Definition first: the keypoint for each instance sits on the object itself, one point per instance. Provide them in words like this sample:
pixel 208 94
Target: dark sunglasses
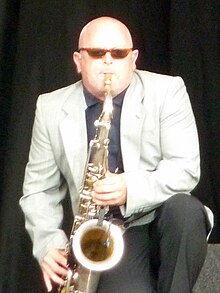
pixel 97 53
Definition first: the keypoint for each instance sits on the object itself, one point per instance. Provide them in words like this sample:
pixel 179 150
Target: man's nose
pixel 107 58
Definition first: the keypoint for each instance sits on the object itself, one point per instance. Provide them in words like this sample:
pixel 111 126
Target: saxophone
pixel 95 243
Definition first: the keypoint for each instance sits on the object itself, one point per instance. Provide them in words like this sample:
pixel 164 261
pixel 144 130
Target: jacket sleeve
pixel 43 190
pixel 174 153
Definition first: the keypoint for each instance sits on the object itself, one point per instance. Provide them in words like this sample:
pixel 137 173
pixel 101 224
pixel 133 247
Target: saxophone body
pixel 95 244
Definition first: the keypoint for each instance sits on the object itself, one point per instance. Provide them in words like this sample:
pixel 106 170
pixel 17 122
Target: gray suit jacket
pixel 159 145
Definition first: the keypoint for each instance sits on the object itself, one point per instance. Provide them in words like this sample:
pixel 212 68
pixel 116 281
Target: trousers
pixel 165 256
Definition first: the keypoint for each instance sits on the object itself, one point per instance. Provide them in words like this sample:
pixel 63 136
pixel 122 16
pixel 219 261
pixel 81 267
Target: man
pixel 153 139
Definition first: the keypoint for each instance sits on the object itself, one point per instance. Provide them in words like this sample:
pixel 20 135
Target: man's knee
pixel 184 204
pixel 182 210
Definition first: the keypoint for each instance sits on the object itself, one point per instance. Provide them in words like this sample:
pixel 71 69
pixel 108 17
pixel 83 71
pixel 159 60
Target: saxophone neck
pixel 108 104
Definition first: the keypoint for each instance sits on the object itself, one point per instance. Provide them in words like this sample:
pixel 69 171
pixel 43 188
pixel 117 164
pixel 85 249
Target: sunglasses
pixel 98 53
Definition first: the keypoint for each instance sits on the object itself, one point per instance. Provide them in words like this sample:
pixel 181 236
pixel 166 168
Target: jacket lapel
pixel 132 118
pixel 73 132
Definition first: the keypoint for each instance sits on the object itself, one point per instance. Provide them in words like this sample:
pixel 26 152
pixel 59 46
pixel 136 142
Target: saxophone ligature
pixel 95 243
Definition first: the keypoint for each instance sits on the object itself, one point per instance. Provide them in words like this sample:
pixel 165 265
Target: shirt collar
pixel 92 100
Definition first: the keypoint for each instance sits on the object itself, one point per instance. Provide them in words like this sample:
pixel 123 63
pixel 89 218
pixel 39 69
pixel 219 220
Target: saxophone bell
pixel 98 248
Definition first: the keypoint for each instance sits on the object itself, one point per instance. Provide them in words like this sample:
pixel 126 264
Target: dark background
pixel 37 39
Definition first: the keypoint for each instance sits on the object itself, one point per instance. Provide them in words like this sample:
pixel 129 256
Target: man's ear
pixel 135 54
pixel 77 61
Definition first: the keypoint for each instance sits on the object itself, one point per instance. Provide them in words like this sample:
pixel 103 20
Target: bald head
pixel 105 32
pixel 105 35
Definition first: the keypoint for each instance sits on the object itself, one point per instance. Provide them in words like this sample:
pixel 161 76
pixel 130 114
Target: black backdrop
pixel 36 43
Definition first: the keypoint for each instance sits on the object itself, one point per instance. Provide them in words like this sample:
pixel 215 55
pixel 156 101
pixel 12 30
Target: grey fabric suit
pixel 159 146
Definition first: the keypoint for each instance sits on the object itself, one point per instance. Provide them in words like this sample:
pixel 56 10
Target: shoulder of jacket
pixel 59 96
pixel 156 82
pixel 148 75
pixel 63 91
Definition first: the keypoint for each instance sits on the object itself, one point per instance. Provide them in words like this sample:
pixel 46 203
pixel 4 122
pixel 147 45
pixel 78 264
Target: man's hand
pixel 54 267
pixel 111 190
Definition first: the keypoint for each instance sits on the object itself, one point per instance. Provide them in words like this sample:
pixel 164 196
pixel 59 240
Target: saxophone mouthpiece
pixel 108 78
pixel 108 83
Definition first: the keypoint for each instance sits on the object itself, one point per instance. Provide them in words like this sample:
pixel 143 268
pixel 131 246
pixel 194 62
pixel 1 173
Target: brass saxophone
pixel 95 244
